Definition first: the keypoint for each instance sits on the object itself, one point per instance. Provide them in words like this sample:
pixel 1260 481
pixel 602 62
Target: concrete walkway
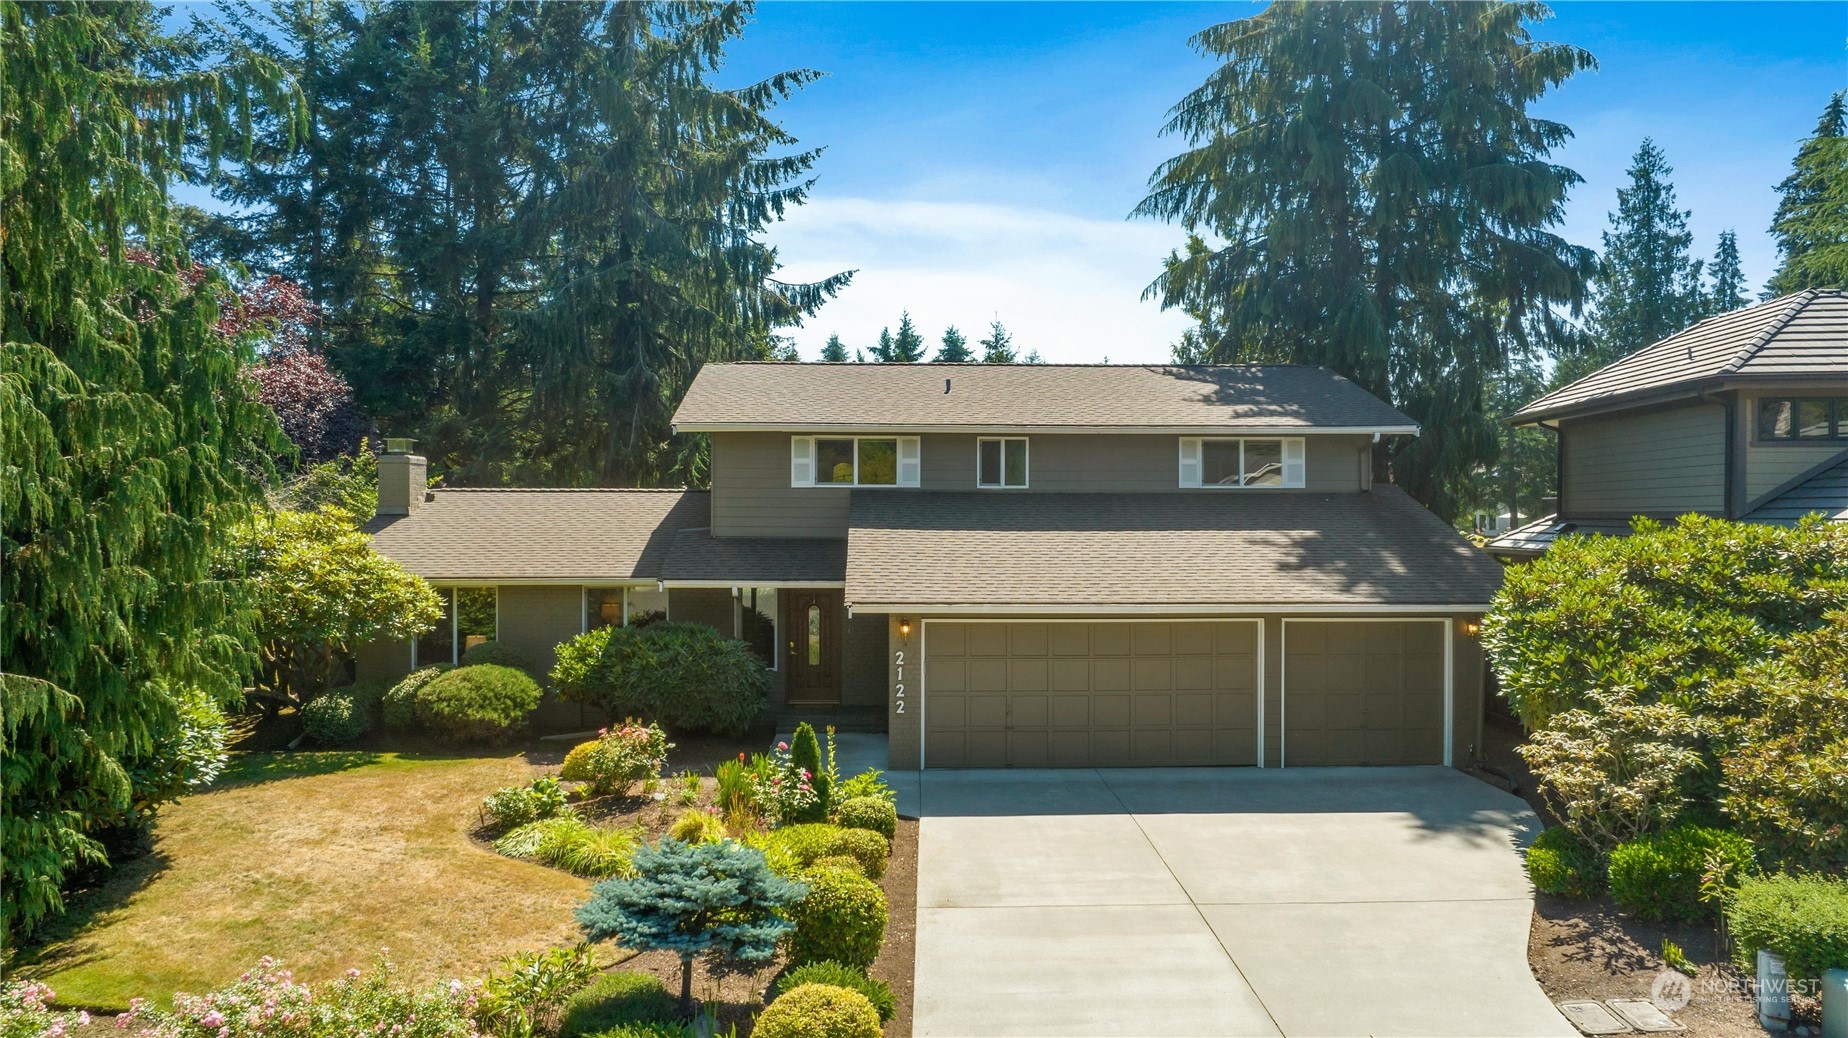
pixel 1313 901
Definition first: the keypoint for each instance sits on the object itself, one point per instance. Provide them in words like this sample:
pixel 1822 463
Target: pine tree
pixel 835 352
pixel 882 350
pixel 693 898
pixel 1811 223
pixel 1728 277
pixel 1379 217
pixel 125 424
pixel 907 347
pixel 1032 357
pixel 1648 285
pixel 596 240
pixel 954 348
pixel 998 348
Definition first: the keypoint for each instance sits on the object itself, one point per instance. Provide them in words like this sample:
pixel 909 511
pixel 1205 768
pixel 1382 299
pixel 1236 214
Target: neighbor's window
pixel 854 461
pixel 1803 418
pixel 1242 462
pixel 602 607
pixel 1001 462
pixel 757 622
pixel 470 617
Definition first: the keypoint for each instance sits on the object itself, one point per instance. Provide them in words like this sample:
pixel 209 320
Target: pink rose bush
pixel 619 757
pixel 784 791
pixel 25 1012
pixel 267 1002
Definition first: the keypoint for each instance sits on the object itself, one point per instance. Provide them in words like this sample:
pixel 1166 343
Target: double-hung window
pixel 1242 462
pixel 1802 418
pixel 1001 461
pixel 854 461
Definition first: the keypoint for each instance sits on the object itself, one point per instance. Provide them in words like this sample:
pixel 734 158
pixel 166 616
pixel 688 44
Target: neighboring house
pixel 1011 565
pixel 1742 416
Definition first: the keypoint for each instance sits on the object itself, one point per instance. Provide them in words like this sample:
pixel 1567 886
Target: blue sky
pixel 982 158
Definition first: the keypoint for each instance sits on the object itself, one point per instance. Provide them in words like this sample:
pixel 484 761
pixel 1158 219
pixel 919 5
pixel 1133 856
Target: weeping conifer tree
pixel 1386 208
pixel 126 429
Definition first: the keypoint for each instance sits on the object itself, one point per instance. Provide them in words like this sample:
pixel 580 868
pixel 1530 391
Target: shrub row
pixel 1679 873
pixel 682 675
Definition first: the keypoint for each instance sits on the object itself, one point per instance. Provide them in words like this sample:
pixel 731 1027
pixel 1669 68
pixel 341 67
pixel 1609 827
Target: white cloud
pixel 1069 286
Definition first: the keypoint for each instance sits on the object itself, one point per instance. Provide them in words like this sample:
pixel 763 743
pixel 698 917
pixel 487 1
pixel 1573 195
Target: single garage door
pixel 1363 692
pixel 1076 695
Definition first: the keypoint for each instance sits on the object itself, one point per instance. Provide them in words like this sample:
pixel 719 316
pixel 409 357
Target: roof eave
pixel 1018 430
pixel 1164 609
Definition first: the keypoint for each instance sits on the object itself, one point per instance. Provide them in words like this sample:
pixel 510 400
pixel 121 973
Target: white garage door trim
pixel 924 675
pixel 1283 676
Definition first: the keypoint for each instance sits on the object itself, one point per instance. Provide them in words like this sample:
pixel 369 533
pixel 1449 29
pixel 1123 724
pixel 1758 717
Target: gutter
pixel 845 428
pixel 943 609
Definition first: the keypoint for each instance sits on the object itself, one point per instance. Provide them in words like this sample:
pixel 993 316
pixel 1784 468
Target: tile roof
pixel 1185 551
pixel 1825 492
pixel 540 535
pixel 1040 396
pixel 1805 333
pixel 698 556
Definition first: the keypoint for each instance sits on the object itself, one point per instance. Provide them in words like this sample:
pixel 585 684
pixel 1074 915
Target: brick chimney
pixel 403 477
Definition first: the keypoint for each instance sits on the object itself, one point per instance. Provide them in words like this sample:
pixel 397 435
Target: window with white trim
pixel 1245 462
pixel 854 461
pixel 1001 461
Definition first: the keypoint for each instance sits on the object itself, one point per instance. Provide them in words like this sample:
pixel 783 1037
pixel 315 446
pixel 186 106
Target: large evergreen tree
pixel 128 433
pixel 835 352
pixel 1648 282
pixel 905 347
pixel 1728 277
pixel 1811 223
pixel 954 348
pixel 530 224
pixel 1386 207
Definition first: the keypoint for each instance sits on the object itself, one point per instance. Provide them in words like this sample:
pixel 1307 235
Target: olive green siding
pixel 711 606
pixel 535 619
pixel 384 660
pixel 751 495
pixel 1658 463
pixel 863 664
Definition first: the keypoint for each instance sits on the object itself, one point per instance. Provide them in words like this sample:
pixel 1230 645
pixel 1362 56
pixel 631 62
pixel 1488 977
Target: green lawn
pixel 322 860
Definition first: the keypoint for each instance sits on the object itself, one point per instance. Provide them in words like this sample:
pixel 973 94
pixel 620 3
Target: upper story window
pixel 1001 461
pixel 854 461
pixel 1246 462
pixel 1803 418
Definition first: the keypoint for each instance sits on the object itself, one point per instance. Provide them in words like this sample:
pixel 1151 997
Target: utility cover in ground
pixel 1592 1018
pixel 1643 1015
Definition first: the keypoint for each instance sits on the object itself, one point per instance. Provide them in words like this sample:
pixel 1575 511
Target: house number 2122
pixel 898 690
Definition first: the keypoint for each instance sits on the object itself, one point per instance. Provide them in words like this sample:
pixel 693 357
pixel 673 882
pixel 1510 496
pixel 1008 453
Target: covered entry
pixel 1034 694
pixel 1365 691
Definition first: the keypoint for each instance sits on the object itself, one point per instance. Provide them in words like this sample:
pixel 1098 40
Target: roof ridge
pixel 983 365
pixel 567 490
pixel 1798 301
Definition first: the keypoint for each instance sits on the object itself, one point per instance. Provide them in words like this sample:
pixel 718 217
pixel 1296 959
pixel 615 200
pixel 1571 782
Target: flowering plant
pixel 24 1012
pixel 784 790
pixel 620 757
pixel 267 1002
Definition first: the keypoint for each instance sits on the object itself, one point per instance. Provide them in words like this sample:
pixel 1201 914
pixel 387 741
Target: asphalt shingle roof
pixel 1536 537
pixel 540 535
pixel 904 397
pixel 698 556
pixel 1172 550
pixel 1805 333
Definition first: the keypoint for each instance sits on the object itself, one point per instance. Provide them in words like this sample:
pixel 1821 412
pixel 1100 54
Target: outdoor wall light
pixel 1472 628
pixel 904 628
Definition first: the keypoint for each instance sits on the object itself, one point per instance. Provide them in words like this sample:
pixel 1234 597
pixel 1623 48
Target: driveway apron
pixel 1223 902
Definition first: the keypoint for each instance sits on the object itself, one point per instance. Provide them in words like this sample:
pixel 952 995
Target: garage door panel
pixel 1111 694
pixel 1368 692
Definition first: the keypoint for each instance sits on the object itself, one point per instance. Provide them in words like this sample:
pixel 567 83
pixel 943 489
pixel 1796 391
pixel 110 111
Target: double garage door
pixel 1148 694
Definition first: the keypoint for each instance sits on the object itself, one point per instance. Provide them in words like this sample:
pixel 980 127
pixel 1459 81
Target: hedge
pixel 683 676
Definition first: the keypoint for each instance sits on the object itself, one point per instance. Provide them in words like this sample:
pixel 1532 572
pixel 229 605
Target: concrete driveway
pixel 1313 901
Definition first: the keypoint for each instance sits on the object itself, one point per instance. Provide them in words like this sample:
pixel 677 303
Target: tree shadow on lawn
pixel 55 947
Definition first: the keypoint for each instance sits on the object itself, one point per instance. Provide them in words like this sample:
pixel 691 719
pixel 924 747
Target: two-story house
pixel 1742 416
pixel 1011 565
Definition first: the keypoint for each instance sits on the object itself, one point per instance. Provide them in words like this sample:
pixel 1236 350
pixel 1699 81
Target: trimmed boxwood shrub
pixel 878 992
pixel 862 845
pixel 614 999
pixel 501 656
pixel 839 861
pixel 1658 876
pixel 1804 919
pixel 794 847
pixel 682 675
pixel 483 703
pixel 398 709
pixel 842 918
pixel 1561 863
pixel 819 1011
pixel 333 718
pixel 875 813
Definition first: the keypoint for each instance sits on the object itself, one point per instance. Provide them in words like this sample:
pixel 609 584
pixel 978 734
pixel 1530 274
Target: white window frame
pixel 455 623
pixel 776 622
pixel 1193 462
pixel 802 462
pixel 1027 465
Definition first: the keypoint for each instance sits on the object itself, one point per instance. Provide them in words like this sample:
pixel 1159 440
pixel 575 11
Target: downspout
pixel 1559 470
pixel 1730 404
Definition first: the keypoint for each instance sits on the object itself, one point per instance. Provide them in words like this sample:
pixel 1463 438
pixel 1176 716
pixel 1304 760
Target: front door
pixel 814 648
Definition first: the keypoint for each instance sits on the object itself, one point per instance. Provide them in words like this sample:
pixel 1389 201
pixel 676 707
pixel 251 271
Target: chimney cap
pixel 399 445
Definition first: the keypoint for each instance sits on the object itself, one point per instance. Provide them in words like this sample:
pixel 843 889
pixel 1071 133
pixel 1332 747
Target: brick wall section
pixel 903 729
